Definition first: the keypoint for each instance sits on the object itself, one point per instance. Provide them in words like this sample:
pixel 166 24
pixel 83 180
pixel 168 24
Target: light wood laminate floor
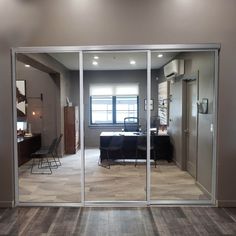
pixel 164 221
pixel 120 182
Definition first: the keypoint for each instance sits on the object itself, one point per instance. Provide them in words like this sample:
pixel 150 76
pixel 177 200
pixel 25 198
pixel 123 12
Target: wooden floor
pixel 166 221
pixel 120 182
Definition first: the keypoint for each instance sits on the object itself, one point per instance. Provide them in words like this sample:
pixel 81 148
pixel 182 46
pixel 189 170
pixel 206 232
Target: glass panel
pixel 180 130
pixel 48 127
pixel 114 89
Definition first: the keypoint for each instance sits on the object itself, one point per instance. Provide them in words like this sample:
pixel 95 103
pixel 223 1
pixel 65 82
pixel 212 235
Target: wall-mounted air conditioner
pixel 174 69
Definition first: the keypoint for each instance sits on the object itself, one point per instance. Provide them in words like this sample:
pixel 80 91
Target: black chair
pixel 44 156
pixel 141 148
pixel 56 150
pixel 115 147
pixel 131 124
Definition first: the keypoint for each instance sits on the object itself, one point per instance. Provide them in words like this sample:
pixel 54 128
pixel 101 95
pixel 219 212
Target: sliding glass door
pixel 115 126
pixel 182 119
pixel 47 128
pixel 115 93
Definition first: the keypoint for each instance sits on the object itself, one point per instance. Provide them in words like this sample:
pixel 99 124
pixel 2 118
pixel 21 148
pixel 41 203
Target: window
pixel 126 107
pixel 110 104
pixel 163 103
pixel 101 107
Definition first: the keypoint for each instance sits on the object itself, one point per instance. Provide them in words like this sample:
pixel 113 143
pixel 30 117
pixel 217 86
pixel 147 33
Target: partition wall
pixel 108 84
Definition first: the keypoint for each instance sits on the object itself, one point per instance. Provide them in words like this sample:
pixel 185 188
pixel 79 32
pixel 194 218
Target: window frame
pixel 114 111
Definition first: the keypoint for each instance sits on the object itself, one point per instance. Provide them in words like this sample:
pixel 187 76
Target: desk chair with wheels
pixel 131 124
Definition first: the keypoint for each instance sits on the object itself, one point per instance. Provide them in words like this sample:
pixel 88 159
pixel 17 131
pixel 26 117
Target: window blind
pixel 114 89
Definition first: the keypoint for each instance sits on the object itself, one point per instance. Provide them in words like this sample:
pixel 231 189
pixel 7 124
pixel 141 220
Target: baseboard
pixel 226 203
pixel 203 189
pixel 176 163
pixel 6 204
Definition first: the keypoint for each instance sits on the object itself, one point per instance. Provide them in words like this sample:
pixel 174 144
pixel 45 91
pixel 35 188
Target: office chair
pixel 115 146
pixel 131 124
pixel 141 148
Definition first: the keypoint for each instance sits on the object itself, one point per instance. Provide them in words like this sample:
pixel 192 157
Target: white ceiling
pixel 113 60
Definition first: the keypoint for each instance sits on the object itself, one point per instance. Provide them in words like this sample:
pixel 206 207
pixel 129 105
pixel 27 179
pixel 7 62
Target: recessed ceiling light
pixel 95 63
pixel 27 65
pixel 132 62
pixel 160 55
pixel 96 57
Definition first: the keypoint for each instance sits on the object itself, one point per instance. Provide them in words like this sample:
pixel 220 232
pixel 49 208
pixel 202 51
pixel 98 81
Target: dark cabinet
pixel 27 146
pixel 71 129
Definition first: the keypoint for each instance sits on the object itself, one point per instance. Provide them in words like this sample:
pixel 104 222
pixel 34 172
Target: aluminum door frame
pixel 139 48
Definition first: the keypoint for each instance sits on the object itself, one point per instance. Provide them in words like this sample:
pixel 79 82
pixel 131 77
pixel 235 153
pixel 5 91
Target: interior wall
pixel 38 82
pixel 74 88
pixel 123 23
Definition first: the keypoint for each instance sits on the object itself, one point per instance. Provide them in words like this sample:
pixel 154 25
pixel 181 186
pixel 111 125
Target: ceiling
pixel 113 60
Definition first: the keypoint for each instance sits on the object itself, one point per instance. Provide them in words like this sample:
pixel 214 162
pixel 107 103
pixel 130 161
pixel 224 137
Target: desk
pixel 27 146
pixel 162 145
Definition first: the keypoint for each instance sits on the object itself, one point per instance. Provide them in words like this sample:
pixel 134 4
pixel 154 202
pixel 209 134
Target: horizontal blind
pixel 114 89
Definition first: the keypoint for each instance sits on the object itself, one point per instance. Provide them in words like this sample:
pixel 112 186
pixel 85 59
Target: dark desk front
pixel 27 146
pixel 162 145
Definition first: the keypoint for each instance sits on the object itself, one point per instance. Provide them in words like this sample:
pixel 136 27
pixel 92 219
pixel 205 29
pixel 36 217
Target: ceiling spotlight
pixel 132 62
pixel 160 55
pixel 26 65
pixel 96 57
pixel 95 63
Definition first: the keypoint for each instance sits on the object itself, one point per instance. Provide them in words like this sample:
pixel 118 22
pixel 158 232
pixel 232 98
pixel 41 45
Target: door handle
pixel 186 131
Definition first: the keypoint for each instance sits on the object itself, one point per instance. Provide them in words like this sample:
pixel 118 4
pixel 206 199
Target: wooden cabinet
pixel 27 146
pixel 71 129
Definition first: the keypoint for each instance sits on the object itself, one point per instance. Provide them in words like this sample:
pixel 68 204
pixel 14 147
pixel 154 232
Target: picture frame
pixel 203 106
pixel 21 100
pixel 151 104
